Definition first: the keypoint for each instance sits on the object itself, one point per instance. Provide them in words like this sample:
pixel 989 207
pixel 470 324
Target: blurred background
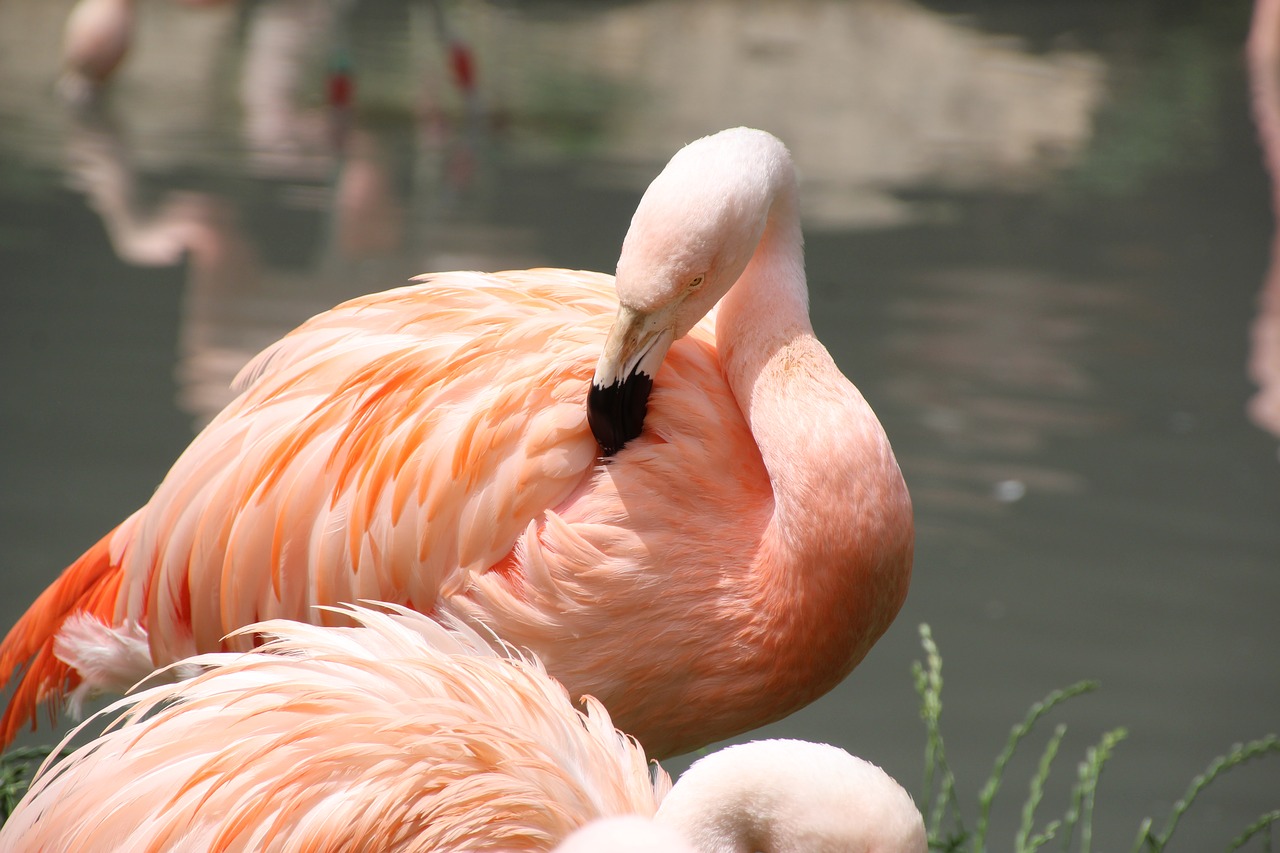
pixel 1039 239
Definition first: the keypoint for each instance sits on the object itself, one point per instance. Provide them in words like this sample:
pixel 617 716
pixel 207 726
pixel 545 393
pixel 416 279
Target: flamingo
pixel 403 735
pixel 95 40
pixel 1262 49
pixel 721 544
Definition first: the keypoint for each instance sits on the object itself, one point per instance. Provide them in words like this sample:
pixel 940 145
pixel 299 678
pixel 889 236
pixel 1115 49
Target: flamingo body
pixel 402 735
pixel 429 446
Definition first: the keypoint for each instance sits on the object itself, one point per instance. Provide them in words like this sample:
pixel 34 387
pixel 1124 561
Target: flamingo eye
pixel 696 283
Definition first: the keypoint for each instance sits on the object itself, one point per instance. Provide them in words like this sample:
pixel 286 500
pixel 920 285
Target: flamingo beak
pixel 619 394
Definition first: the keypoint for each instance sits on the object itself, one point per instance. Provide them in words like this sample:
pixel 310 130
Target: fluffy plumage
pixel 401 735
pixel 398 735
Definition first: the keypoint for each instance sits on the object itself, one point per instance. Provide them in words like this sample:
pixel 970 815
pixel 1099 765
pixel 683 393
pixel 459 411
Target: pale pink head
pixel 791 796
pixel 692 235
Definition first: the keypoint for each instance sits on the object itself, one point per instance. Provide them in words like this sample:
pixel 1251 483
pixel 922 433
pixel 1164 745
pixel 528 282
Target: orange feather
pixel 91 585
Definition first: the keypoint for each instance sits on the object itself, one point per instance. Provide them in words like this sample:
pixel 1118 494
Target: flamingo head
pixel 790 795
pixel 692 236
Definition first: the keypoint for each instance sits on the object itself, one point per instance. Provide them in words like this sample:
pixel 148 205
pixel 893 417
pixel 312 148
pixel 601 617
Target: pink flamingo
pixel 95 40
pixel 402 735
pixel 429 446
pixel 1263 54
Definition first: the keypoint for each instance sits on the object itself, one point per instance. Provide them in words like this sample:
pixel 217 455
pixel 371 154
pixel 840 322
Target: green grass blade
pixel 939 782
pixel 1090 772
pixel 1253 829
pixel 16 769
pixel 1023 840
pixel 1082 795
pixel 1239 754
pixel 992 787
pixel 1045 837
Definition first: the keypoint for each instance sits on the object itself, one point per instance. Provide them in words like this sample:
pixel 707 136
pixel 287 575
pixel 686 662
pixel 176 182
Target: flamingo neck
pixel 841 533
pixel 768 307
pixel 779 372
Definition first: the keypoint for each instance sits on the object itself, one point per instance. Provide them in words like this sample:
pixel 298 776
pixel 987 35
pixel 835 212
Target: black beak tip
pixel 616 412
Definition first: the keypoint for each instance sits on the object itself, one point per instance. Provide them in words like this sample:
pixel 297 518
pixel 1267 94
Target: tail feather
pixel 91 585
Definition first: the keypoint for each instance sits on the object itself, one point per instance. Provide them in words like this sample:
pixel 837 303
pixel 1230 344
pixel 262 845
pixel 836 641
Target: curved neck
pixel 763 331
pixel 805 415
pixel 768 306
pixel 841 526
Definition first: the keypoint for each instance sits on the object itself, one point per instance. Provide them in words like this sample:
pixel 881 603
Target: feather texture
pixel 406 736
pixel 397 735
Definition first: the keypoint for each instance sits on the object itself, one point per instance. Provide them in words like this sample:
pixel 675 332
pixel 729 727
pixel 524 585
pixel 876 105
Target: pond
pixel 1039 239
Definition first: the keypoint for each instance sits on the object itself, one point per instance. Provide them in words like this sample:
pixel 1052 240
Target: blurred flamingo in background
pixel 403 735
pixel 95 40
pixel 744 539
pixel 1263 50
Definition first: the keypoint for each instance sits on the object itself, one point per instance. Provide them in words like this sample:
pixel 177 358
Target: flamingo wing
pixel 391 448
pixel 387 449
